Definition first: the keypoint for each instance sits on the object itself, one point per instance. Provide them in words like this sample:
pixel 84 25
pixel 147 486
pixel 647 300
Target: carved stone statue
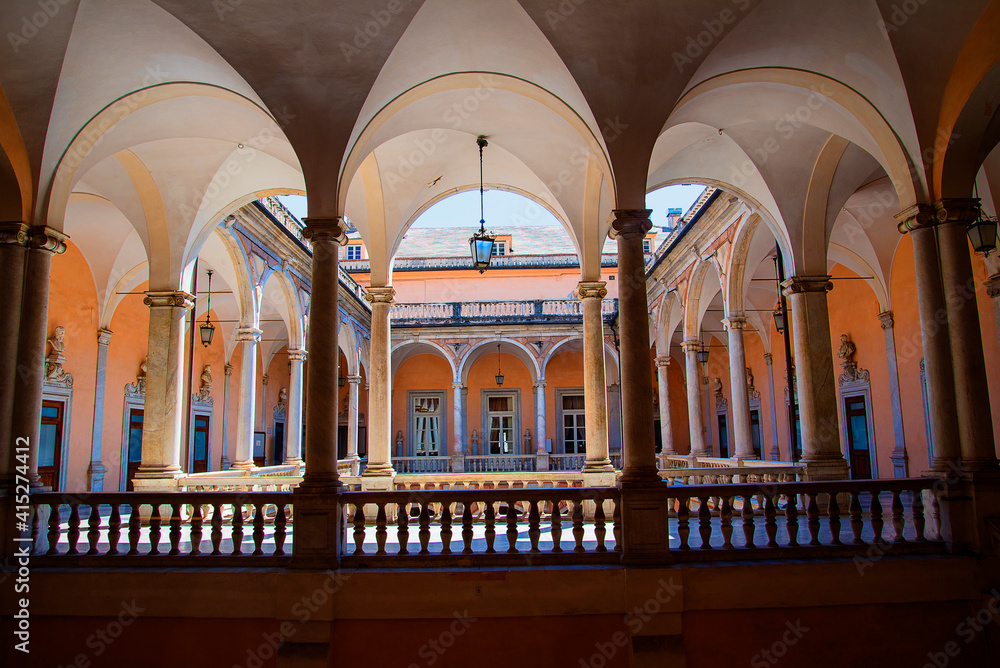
pixel 399 443
pixel 750 387
pixel 54 372
pixel 526 441
pixel 846 350
pixel 282 398
pixel 205 391
pixel 852 373
pixel 138 388
pixel 717 386
pixel 474 449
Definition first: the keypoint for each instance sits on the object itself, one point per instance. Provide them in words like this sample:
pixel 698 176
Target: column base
pixel 900 465
pixel 640 477
pixel 319 527
pixel 225 464
pixel 377 483
pixel 378 470
pixel 598 466
pixel 157 479
pixel 834 468
pixel 598 477
pixel 95 477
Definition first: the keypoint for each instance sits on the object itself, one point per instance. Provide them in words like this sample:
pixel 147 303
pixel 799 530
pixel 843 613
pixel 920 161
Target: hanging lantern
pixel 481 243
pixel 207 329
pixel 779 320
pixel 499 376
pixel 983 230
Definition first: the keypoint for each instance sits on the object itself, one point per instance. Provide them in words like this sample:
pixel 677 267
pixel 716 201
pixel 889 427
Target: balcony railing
pixel 538 310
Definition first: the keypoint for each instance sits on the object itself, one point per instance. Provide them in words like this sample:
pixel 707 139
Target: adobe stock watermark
pixel 966 630
pixel 696 46
pixel 769 656
pixel 432 650
pixel 899 15
pixel 30 25
pixel 100 640
pixel 364 33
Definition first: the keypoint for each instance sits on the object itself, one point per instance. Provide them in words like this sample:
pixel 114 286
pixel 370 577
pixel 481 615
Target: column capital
pixel 768 359
pixel 691 345
pixel 325 229
pixel 735 321
pixel 993 286
pixel 630 223
pixel 46 239
pixel 104 337
pixel 168 299
pixel 264 379
pixel 918 216
pixel 249 334
pixel 457 386
pixel 228 370
pixel 797 284
pixel 380 295
pixel 956 210
pixel 539 383
pixel 662 361
pixel 886 320
pixel 297 355
pixel 591 290
pixel 15 233
pixel 354 380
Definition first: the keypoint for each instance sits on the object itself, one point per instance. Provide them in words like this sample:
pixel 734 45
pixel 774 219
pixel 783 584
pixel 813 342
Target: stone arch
pixel 483 348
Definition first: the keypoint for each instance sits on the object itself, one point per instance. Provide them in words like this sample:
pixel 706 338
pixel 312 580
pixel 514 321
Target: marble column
pixel 539 387
pixel 95 472
pixel 248 336
pixel 900 460
pixel 595 389
pixel 224 462
pixel 740 397
pixel 265 421
pixel 13 253
pixel 992 285
pixel 353 408
pixel 693 372
pixel 663 386
pixel 43 243
pixel 380 397
pixel 975 418
pixel 458 420
pixel 707 418
pixel 293 428
pixel 920 222
pixel 165 401
pixel 775 452
pixel 816 385
pixel 628 229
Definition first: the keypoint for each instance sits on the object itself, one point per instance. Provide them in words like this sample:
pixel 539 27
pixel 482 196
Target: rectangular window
pixel 500 424
pixel 200 463
pixel 426 415
pixel 723 436
pixel 859 456
pixel 574 425
pixel 50 444
pixel 134 446
pixel 354 252
pixel 499 248
pixel 755 438
pixel 647 246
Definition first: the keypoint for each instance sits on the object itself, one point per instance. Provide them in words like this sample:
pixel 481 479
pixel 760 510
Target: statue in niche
pixel 55 359
pixel 282 399
pixel 846 350
pixel 717 386
pixel 852 373
pixel 750 387
pixel 399 444
pixel 205 391
pixel 474 449
pixel 526 441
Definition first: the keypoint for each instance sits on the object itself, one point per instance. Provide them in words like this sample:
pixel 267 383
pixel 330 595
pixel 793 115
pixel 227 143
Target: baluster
pixel 258 528
pixel 424 534
pixel 491 532
pixel 467 528
pixel 114 529
pixel 534 530
pixel 73 535
pixel 381 532
pixel 726 515
pixel 683 528
pixel 857 523
pixel 876 513
pixel 94 528
pixel 898 519
pixel 446 532
pixel 54 529
pixel 196 520
pixel 36 527
pixel 237 529
pixel 403 527
pixel 511 527
pixel 599 524
pixel 935 514
pixel 154 529
pixel 705 523
pixel 556 517
pixel 174 533
pixel 359 529
pixel 578 525
pixel 770 523
pixel 812 512
pixel 216 529
pixel 792 519
pixel 917 505
pixel 280 522
pixel 748 521
pixel 616 526
pixel 134 529
pixel 833 509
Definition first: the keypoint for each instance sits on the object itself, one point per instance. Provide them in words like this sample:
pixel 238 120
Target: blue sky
pixel 506 209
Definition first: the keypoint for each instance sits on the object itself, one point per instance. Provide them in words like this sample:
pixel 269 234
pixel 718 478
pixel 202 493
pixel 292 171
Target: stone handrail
pixel 499 463
pixel 538 309
pixel 439 464
pixel 564 462
pixel 709 475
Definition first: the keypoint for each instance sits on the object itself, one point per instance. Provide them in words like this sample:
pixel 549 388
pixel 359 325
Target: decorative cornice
pixel 104 337
pixel 592 290
pixel 297 355
pixel 250 334
pixel 799 284
pixel 202 399
pixel 380 295
pixel 630 223
pixel 325 229
pixel 735 321
pixel 46 239
pixel 918 216
pixel 14 234
pixel 886 320
pixel 957 210
pixel 175 299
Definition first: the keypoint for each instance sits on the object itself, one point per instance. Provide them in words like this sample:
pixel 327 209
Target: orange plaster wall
pixel 278 376
pixel 718 367
pixel 516 375
pixel 565 370
pixel 73 305
pixel 754 351
pixel 991 347
pixel 213 355
pixel 678 405
pixel 428 373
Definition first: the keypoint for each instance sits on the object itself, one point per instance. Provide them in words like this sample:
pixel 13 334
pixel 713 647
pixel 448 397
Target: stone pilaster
pixel 96 470
pixel 663 387
pixel 248 336
pixel 224 461
pixel 164 404
pixel 293 430
pixel 975 419
pixel 42 243
pixel 458 419
pixel 353 408
pixel 13 253
pixel 775 451
pixel 540 417
pixel 693 373
pixel 920 222
pixel 816 386
pixel 380 397
pixel 900 460
pixel 743 446
pixel 594 383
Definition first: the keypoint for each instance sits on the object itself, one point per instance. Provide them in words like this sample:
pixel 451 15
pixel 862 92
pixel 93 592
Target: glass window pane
pixel 573 402
pixel 47 445
pixel 50 412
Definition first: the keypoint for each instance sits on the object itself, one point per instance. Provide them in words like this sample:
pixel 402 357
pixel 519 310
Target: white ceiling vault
pixel 137 126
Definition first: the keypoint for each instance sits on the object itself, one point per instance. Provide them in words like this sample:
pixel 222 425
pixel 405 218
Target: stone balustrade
pixel 550 310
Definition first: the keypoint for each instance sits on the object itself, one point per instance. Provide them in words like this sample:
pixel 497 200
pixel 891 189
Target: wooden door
pixel 50 444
